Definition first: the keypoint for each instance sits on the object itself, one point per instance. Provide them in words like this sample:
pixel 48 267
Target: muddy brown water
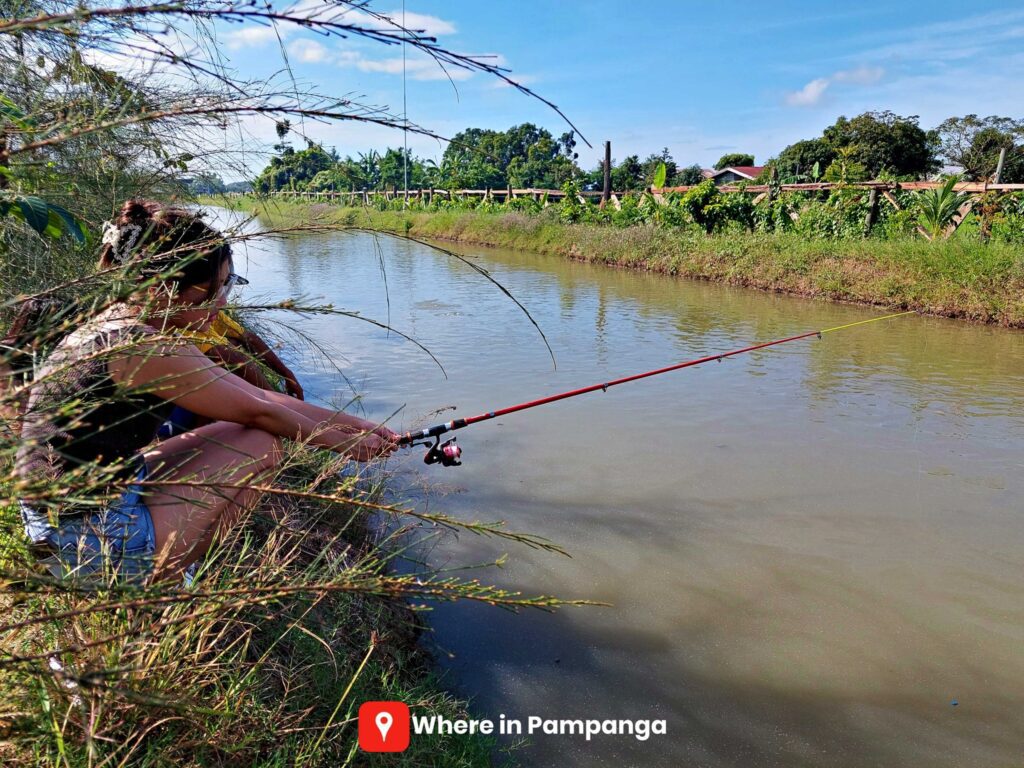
pixel 813 553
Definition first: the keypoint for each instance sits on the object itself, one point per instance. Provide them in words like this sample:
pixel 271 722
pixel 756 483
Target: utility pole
pixel 405 114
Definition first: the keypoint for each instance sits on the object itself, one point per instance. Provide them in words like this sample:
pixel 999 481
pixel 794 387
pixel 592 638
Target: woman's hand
pixel 292 386
pixel 378 443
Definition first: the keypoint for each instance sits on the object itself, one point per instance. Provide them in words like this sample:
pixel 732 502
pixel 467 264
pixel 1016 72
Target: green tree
pixel 733 159
pixel 937 207
pixel 705 205
pixel 650 167
pixel 392 170
pixel 294 170
pixel 524 155
pixel 567 145
pixel 343 176
pixel 369 169
pixel 438 175
pixel 973 144
pixel 797 160
pixel 628 175
pixel 845 168
pixel 475 159
pixel 690 176
pixel 545 165
pixel 884 141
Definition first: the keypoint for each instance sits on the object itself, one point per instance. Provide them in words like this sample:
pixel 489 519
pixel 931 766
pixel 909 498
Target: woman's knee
pixel 264 447
pixel 223 444
pixel 255 443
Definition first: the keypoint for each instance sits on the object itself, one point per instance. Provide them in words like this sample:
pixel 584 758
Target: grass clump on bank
pixel 294 621
pixel 957 277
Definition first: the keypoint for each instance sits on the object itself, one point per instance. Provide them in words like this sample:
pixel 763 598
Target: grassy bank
pixel 292 624
pixel 960 277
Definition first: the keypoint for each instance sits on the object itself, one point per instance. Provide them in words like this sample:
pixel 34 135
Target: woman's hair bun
pixel 135 212
pixel 164 238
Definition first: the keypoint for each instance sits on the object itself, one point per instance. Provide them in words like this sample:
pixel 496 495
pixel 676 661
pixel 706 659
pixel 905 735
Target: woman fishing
pixel 238 349
pixel 99 398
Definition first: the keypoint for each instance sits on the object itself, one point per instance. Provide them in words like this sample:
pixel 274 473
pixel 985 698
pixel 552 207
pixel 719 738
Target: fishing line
pixel 448 454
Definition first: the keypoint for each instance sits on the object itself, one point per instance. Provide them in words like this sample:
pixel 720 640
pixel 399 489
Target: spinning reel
pixel 446 454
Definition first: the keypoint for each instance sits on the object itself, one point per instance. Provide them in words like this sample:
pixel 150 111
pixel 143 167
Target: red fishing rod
pixel 448 454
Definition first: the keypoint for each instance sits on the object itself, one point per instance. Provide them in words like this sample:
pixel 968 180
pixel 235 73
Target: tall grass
pixel 956 277
pixel 295 619
pixel 297 616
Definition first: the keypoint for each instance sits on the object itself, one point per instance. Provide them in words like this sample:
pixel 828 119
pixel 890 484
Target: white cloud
pixel 308 51
pixel 253 36
pixel 808 95
pixel 967 37
pixel 812 93
pixel 859 76
pixel 390 21
pixel 391 66
pixel 416 67
pixel 140 55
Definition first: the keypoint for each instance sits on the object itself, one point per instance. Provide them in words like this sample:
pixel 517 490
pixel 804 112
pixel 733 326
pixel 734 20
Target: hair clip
pixel 112 236
pixel 133 230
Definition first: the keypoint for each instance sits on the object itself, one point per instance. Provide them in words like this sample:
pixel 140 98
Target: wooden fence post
pixel 607 191
pixel 872 214
pixel 999 165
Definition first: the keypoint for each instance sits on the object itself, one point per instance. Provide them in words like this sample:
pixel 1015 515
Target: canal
pixel 812 553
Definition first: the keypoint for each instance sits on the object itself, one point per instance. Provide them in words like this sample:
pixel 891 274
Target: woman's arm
pixel 338 418
pixel 259 349
pixel 240 364
pixel 181 373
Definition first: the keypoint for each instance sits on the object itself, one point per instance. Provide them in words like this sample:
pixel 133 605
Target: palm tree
pixel 937 207
pixel 431 173
pixel 369 164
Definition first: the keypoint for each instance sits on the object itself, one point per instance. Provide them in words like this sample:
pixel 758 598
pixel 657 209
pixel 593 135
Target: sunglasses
pixel 230 283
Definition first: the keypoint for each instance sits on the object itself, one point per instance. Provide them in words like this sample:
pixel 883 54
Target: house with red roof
pixel 736 173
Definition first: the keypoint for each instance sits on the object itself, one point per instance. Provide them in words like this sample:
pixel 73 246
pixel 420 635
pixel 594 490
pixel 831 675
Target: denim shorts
pixel 118 542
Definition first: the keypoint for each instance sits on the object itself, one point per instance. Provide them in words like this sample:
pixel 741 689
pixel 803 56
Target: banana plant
pixel 45 218
pixel 659 176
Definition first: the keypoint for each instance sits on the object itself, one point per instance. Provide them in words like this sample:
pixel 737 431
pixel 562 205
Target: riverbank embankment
pixel 960 277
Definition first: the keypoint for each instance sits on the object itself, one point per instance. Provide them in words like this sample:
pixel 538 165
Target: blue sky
pixel 701 78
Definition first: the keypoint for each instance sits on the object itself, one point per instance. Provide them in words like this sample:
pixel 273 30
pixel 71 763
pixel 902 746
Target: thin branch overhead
pixel 142 30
